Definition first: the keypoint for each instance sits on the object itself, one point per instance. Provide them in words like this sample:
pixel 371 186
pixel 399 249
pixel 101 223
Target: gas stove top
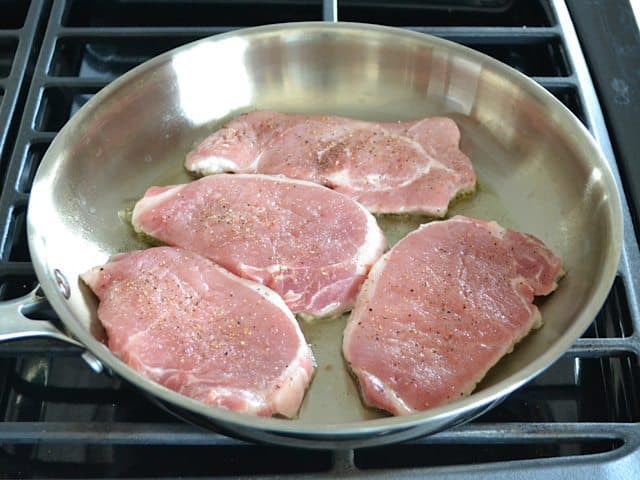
pixel 59 419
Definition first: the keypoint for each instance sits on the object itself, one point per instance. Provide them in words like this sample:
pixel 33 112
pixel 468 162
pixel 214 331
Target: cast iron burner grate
pixel 60 419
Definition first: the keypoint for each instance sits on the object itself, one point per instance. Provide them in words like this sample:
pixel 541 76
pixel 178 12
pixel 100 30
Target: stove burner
pixel 60 419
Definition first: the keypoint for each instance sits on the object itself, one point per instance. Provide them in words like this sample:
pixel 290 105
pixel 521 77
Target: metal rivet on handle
pixel 93 362
pixel 63 284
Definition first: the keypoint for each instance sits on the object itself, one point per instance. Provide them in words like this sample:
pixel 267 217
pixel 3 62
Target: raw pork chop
pixel 310 244
pixel 400 167
pixel 188 324
pixel 441 308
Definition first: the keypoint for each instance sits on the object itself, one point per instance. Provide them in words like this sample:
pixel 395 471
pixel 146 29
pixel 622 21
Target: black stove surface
pixel 59 419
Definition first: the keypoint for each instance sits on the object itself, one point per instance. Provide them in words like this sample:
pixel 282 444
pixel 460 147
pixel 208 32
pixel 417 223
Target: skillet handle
pixel 14 324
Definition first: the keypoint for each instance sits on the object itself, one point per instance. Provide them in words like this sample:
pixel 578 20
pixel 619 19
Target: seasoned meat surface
pixel 441 308
pixel 403 167
pixel 193 327
pixel 311 245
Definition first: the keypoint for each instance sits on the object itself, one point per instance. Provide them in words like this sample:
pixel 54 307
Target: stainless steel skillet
pixel 539 171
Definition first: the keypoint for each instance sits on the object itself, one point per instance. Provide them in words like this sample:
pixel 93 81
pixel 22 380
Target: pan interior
pixel 537 172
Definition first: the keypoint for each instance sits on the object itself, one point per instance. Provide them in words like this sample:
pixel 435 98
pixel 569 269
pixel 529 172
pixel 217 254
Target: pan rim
pixel 364 427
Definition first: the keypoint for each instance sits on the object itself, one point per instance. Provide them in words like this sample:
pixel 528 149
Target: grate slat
pixel 75 82
pixel 13 83
pixel 143 32
pixel 596 347
pixel 131 433
pixel 491 34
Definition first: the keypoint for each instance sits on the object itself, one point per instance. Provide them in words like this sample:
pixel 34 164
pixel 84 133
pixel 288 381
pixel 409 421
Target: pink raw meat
pixel 404 167
pixel 308 243
pixel 188 324
pixel 441 308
